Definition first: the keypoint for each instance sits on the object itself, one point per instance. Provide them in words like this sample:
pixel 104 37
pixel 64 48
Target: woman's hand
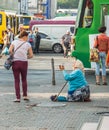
pixel 61 67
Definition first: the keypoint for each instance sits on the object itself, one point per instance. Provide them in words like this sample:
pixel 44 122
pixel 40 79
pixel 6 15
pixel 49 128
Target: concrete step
pixel 89 126
pixel 104 123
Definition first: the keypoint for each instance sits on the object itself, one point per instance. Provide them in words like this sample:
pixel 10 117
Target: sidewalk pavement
pixel 44 114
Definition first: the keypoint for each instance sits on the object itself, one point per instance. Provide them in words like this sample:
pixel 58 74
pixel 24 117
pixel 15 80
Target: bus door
pixel 83 26
pixel 11 22
pixel 13 27
pixel 17 25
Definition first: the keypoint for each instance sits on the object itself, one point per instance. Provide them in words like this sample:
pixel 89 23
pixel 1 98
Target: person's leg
pixel 86 94
pixel 23 67
pixel 103 62
pixel 97 68
pixel 65 51
pixel 16 73
pixel 55 98
pixel 97 73
pixel 70 96
pixel 37 47
pixel 61 99
pixel 32 45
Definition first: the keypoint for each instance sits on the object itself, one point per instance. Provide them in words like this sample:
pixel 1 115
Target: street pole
pixel 53 72
pixel 19 6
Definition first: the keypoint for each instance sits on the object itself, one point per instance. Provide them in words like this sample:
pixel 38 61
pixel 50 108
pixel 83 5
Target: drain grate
pixel 103 113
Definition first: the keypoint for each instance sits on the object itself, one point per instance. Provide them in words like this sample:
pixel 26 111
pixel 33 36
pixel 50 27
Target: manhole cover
pixel 54 104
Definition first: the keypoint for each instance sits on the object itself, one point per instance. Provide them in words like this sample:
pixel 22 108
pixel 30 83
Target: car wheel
pixel 57 48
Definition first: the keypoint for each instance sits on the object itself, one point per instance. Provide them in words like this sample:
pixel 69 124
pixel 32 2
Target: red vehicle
pixel 51 22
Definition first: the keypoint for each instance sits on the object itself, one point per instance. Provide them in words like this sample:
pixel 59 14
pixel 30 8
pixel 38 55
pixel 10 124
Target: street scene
pixel 40 113
pixel 54 65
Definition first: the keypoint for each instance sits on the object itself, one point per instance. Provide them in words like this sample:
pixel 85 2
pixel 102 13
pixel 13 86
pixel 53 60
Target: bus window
pixel 87 20
pixel 104 14
pixel 26 21
pixel 7 21
pixel 85 14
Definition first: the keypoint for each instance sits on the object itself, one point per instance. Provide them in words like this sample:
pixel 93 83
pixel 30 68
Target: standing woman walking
pixel 23 52
pixel 102 43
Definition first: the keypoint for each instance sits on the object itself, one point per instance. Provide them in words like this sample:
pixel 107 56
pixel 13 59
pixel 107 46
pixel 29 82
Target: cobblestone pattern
pixel 16 116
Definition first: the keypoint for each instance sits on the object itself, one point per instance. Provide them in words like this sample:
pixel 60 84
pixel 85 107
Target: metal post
pixel 19 6
pixel 53 72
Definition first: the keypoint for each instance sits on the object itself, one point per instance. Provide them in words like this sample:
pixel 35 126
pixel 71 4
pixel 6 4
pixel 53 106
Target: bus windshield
pixel 25 21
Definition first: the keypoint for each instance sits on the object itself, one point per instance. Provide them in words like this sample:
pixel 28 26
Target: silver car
pixel 48 43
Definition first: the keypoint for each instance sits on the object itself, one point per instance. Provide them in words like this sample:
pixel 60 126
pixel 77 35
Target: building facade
pixel 47 7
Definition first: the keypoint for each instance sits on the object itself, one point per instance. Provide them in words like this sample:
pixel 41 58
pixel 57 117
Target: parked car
pixel 49 42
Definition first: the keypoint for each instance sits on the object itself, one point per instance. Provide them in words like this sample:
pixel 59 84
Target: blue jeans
pixel 101 64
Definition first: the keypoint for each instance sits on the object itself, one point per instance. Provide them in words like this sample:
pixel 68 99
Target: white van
pixel 55 28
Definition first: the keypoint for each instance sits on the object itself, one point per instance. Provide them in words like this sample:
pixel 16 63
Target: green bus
pixel 91 15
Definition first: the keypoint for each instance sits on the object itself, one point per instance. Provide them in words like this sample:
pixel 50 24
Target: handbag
pixel 94 52
pixel 94 55
pixel 31 40
pixel 107 59
pixel 9 60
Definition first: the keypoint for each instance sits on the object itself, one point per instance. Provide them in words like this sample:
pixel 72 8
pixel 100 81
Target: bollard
pixel 53 72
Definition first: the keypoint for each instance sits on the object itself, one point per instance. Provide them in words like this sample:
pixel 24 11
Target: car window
pixel 43 35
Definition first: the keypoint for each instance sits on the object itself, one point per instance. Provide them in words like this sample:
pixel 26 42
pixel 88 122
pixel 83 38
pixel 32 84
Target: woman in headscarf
pixel 78 88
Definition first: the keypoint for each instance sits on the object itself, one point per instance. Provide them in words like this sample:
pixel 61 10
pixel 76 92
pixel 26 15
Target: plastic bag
pixel 5 51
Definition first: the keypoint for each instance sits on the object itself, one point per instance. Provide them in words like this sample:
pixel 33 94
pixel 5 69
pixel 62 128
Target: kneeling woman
pixel 78 88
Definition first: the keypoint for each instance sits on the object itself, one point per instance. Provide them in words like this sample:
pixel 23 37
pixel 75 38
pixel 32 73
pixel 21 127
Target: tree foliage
pixel 67 4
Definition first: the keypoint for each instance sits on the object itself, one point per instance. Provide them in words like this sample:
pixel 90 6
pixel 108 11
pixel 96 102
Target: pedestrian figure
pixel 11 35
pixel 31 38
pixel 66 40
pixel 102 44
pixel 37 41
pixel 20 63
pixel 5 39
